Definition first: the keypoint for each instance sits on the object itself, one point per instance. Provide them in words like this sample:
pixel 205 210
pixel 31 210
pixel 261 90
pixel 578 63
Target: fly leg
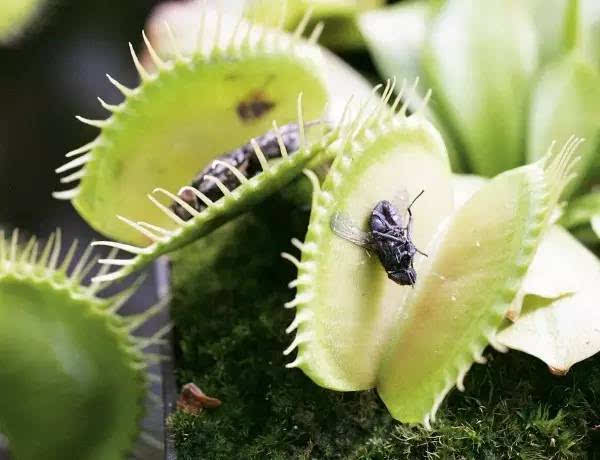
pixel 389 237
pixel 410 216
pixel 421 252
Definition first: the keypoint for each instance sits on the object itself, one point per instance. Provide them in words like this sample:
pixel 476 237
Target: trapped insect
pixel 242 158
pixel 388 238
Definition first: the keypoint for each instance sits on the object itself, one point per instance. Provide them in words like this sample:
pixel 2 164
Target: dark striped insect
pixel 242 158
pixel 388 238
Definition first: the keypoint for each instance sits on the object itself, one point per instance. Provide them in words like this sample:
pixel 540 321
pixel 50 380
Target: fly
pixel 389 238
pixel 242 158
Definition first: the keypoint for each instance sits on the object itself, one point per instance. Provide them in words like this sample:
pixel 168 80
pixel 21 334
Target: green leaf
pixel 566 102
pixel 475 267
pixel 555 313
pixel 590 30
pixel 345 302
pixel 560 318
pixel 249 193
pixel 357 329
pixel 479 59
pixel 340 79
pixel 561 24
pixel 395 38
pixel 549 20
pixel 184 115
pixel 582 217
pixel 572 29
pixel 73 379
pixel 595 222
pixel 15 15
pixel 581 210
pixel 340 32
pixel 464 187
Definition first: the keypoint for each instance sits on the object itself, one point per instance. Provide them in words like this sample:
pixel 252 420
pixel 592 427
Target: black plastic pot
pixel 169 388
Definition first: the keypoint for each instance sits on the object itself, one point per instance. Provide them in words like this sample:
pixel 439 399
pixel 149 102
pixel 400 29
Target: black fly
pixel 388 238
pixel 242 158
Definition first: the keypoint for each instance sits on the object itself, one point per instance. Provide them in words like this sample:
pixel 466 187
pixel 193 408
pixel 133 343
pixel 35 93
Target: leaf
pixel 560 326
pixel 248 193
pixel 555 22
pixel 355 328
pixel 339 16
pixel 16 15
pixel 596 225
pixel 184 115
pixel 590 30
pixel 340 79
pixel 545 277
pixel 464 187
pixel 566 101
pixel 395 38
pixel 475 267
pixel 480 75
pixel 345 302
pixel 581 210
pixel 73 378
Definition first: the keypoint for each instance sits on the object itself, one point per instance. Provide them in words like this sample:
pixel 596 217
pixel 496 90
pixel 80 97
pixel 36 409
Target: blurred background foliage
pixel 52 72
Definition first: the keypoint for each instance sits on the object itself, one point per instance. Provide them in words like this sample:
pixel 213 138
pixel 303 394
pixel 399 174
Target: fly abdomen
pixel 242 158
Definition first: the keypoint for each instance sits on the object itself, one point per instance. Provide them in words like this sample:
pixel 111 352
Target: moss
pixel 229 291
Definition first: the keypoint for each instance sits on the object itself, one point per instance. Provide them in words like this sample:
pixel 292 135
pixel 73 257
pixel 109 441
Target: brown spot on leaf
pixel 192 400
pixel 255 106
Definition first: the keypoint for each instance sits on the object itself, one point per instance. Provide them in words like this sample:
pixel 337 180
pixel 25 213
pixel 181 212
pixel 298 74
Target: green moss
pixel 229 291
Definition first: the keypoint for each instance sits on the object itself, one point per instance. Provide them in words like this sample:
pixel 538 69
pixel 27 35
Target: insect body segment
pixel 389 238
pixel 246 162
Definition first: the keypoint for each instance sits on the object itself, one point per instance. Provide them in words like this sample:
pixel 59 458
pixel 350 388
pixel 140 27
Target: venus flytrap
pixel 74 376
pixel 339 331
pixel 355 329
pixel 508 77
pixel 341 81
pixel 249 192
pixel 221 315
pixel 159 136
pixel 554 315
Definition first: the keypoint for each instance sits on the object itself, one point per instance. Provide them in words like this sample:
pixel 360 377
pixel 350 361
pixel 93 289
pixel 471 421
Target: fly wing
pixel 401 201
pixel 343 227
